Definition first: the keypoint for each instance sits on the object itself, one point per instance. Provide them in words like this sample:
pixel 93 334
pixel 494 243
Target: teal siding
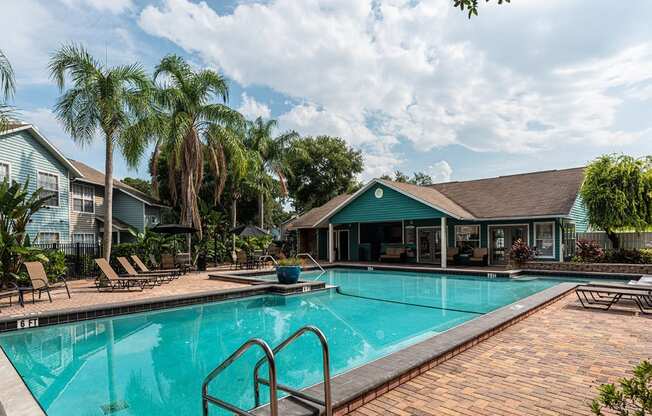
pixel 26 156
pixel 393 206
pixel 579 215
pixel 128 209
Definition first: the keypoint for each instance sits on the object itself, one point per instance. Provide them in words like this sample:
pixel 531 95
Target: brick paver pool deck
pixel 83 293
pixel 547 364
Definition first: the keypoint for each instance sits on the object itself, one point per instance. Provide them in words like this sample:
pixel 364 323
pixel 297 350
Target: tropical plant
pixel 189 124
pixel 322 168
pixel 290 261
pixel 7 89
pixel 271 155
pixel 631 397
pixel 17 206
pixel 113 100
pixel 56 265
pixel 588 251
pixel 617 193
pixel 521 252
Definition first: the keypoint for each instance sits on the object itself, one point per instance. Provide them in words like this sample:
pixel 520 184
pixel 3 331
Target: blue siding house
pixel 25 155
pixel 453 222
pixel 74 212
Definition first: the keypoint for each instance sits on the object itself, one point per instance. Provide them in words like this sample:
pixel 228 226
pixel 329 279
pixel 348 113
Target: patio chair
pixel 479 256
pixel 174 273
pixel 158 277
pixel 39 280
pixel 109 279
pixel 451 254
pixel 11 292
pixel 604 296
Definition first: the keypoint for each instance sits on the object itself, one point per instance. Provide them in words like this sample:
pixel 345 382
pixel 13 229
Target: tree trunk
pixel 234 217
pixel 108 198
pixel 613 237
pixel 261 210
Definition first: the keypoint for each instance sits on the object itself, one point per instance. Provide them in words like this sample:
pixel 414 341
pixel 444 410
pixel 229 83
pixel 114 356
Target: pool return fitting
pixel 271 381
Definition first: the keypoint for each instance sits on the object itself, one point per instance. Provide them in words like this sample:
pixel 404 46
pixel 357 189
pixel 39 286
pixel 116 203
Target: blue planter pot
pixel 288 275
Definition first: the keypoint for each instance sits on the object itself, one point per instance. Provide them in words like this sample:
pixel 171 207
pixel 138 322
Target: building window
pixel 569 238
pixel 47 238
pixel 84 238
pixel 544 239
pixel 83 198
pixel 4 171
pixel 50 184
pixel 152 220
pixel 467 236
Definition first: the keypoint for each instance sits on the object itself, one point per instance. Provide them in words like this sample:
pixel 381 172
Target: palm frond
pixel 7 81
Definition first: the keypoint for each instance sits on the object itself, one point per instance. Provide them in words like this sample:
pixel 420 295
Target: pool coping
pixel 358 386
pixel 106 310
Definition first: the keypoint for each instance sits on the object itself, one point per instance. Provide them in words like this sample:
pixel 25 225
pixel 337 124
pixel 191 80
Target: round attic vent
pixel 379 193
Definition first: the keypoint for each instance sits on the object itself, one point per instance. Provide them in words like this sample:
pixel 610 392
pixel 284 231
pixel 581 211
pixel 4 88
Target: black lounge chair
pixel 604 296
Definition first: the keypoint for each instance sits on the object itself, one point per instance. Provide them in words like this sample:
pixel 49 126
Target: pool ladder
pixel 271 381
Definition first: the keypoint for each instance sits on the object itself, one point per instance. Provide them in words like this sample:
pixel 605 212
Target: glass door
pixel 429 245
pixel 501 240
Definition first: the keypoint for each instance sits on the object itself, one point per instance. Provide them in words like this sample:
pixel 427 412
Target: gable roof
pixel 550 193
pixel 94 176
pixel 33 131
pixel 536 194
pixel 313 217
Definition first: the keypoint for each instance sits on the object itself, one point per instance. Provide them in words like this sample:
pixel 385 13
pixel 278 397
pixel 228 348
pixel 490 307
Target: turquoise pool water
pixel 154 363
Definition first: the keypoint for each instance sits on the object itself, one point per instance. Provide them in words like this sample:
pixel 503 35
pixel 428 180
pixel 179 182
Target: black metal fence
pixel 80 258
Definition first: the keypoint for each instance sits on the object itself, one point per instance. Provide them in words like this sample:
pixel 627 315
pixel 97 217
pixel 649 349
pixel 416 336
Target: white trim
pixel 38 239
pixel 489 226
pixel 117 188
pixel 72 198
pixel 403 232
pixel 330 243
pixel 443 243
pixel 380 181
pixel 32 129
pixel 8 164
pixel 554 238
pixel 58 175
pixel 358 234
pixel 72 240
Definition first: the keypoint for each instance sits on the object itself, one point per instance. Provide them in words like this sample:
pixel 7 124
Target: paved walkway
pixel 548 364
pixel 84 293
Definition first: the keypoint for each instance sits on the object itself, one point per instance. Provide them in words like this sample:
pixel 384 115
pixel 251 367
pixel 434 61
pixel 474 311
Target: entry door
pixel 429 245
pixel 502 239
pixel 342 245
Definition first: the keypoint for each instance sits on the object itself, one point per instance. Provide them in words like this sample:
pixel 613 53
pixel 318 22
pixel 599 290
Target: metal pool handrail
pixel 267 256
pixel 311 258
pixel 269 357
pixel 327 402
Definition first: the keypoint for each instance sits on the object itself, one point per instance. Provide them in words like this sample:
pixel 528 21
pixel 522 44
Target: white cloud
pixel 440 171
pixel 112 6
pixel 252 109
pixel 381 72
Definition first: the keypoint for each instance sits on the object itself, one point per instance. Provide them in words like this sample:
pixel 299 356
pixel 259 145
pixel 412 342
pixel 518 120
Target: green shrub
pixel 56 265
pixel 290 261
pixel 631 397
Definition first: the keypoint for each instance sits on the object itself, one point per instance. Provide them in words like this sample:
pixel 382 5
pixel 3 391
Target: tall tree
pixel 617 193
pixel 418 178
pixel 185 97
pixel 272 155
pixel 113 101
pixel 7 89
pixel 322 167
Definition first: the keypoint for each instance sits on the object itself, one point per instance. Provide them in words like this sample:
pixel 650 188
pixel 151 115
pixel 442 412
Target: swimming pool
pixel 154 363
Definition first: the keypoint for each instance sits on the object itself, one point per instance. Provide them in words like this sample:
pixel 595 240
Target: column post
pixel 444 242
pixel 331 252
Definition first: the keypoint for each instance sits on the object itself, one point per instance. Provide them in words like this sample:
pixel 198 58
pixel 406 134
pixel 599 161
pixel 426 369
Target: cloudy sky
pixel 537 84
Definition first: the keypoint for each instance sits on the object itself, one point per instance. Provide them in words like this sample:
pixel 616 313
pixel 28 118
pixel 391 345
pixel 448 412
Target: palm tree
pixel 271 153
pixel 113 101
pixel 190 125
pixel 7 89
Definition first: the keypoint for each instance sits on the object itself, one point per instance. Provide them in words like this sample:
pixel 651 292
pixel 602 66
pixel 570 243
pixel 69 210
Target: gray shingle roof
pixel 310 218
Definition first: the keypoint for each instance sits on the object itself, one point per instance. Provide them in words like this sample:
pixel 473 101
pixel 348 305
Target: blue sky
pixel 537 84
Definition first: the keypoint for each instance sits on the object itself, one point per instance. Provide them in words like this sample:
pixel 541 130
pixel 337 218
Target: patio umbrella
pixel 176 229
pixel 248 231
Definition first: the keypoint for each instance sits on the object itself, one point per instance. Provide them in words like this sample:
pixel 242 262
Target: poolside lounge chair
pixel 158 277
pixel 109 279
pixel 11 292
pixel 604 296
pixel 39 280
pixel 451 253
pixel 143 268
